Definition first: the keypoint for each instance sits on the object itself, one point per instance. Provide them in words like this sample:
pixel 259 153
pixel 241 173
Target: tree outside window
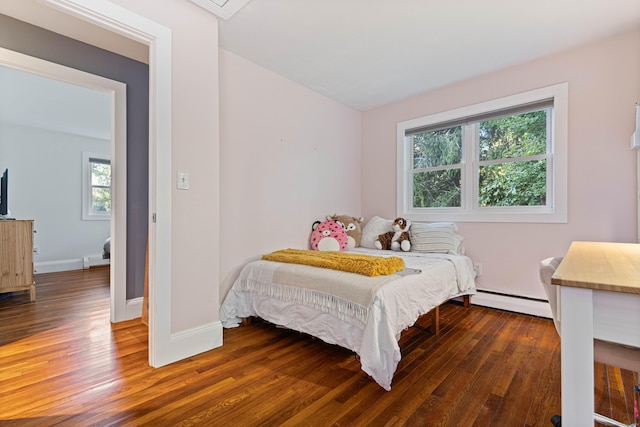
pixel 96 187
pixel 499 161
pixel 511 167
pixel 437 157
pixel 100 186
pixel 513 171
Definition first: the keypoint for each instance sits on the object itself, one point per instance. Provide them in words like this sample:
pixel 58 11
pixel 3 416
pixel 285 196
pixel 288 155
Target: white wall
pixel 195 144
pixel 289 157
pixel 604 86
pixel 45 184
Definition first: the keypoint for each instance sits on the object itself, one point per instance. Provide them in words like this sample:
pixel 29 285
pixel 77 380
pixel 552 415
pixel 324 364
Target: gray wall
pixel 35 41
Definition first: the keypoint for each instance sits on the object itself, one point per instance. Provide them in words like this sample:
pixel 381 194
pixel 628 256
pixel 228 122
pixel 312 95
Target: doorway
pixel 116 93
pixel 106 17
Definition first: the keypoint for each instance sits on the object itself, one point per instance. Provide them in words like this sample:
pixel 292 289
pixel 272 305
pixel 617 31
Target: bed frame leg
pixel 246 321
pixel 435 321
pixel 467 301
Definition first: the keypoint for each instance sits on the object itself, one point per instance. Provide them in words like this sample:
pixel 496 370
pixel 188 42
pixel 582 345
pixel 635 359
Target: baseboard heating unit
pixel 515 303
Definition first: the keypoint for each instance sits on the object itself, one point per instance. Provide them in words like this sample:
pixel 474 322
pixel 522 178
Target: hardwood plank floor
pixel 63 364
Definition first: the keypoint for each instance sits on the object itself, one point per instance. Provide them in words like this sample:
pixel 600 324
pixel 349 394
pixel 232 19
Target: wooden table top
pixel 602 266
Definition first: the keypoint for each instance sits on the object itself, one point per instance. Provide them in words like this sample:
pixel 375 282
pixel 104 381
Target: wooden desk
pixel 599 298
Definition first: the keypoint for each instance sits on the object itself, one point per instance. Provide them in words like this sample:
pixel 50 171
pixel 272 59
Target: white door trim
pixel 118 94
pixel 124 22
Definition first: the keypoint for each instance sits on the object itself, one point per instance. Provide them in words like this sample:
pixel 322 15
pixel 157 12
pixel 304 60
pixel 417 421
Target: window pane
pixel 437 148
pixel 101 199
pixel 100 174
pixel 437 189
pixel 513 184
pixel 513 136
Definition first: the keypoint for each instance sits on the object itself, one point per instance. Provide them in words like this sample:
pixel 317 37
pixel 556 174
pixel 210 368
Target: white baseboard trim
pixel 512 303
pixel 69 264
pixel 191 342
pixel 59 265
pixel 133 308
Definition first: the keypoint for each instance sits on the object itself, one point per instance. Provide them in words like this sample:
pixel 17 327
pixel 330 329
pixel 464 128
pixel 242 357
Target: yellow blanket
pixel 367 265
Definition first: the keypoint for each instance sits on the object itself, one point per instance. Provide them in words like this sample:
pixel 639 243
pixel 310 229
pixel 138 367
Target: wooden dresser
pixel 16 257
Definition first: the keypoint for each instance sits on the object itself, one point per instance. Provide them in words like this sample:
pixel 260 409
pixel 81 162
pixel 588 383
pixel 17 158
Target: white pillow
pixel 375 227
pixel 460 246
pixel 436 237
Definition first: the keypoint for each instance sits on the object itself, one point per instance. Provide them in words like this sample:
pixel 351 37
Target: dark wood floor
pixel 62 363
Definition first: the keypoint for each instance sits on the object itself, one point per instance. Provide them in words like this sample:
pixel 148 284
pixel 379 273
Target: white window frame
pixel 87 199
pixel 555 210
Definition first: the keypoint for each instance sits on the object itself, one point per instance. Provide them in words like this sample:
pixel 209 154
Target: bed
pixel 284 294
pixel 106 249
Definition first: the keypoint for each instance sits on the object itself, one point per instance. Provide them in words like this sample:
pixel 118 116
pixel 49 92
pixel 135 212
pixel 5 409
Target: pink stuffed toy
pixel 328 236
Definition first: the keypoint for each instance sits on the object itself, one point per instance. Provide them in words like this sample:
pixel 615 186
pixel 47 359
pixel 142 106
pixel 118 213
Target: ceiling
pixel 31 100
pixel 367 53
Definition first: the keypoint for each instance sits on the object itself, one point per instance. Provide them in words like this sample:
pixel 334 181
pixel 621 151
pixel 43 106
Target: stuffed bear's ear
pixel 315 224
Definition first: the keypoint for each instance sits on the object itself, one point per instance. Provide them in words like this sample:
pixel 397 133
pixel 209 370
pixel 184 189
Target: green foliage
pixel 440 188
pixel 101 187
pixel 513 136
pixel 513 184
pixel 101 200
pixel 437 148
pixel 519 183
pixel 437 170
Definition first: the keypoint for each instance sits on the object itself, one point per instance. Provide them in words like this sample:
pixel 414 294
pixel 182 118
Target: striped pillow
pixel 436 237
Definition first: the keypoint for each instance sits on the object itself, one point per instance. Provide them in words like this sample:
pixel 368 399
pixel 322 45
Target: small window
pixel 96 183
pixel 499 161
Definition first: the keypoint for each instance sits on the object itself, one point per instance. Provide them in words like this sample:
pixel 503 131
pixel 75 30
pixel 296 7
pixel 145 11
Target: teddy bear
pixel 398 239
pixel 351 226
pixel 328 236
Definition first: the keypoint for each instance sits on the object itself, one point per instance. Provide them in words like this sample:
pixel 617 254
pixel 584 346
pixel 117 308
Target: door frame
pixel 122 21
pixel 117 91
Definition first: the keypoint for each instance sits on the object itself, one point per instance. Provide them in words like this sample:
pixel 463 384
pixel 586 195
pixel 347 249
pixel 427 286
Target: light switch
pixel 183 180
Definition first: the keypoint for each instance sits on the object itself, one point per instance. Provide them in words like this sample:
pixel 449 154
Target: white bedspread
pixel 374 337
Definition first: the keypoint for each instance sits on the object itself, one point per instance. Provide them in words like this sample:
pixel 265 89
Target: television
pixel 4 191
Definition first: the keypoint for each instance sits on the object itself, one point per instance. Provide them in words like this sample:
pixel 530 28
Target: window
pixel 500 161
pixel 96 186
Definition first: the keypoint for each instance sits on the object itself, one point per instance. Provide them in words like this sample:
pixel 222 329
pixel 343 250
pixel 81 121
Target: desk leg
pixel 576 330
